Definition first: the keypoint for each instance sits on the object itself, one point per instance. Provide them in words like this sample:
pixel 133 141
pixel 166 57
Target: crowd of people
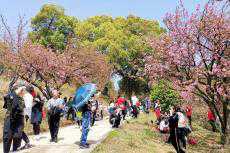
pixel 176 122
pixel 122 108
pixel 24 105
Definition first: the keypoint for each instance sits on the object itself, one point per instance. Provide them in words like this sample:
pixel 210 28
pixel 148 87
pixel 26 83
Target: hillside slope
pixel 140 136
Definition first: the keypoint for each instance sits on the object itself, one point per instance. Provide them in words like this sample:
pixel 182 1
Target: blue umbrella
pixel 83 94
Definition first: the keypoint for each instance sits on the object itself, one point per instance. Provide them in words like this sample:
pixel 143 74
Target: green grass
pixel 140 136
pixel 134 137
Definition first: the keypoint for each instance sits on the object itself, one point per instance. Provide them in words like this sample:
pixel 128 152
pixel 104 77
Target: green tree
pixel 165 93
pixel 52 28
pixel 123 40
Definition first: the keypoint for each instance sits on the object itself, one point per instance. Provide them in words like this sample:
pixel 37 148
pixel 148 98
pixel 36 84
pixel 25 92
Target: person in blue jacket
pixel 86 121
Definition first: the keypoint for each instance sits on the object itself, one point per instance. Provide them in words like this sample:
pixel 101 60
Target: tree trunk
pixel 224 136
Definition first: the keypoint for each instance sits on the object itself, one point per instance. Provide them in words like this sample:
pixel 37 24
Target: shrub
pixel 165 93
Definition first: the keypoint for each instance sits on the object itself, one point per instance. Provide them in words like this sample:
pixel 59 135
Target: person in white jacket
pixel 28 100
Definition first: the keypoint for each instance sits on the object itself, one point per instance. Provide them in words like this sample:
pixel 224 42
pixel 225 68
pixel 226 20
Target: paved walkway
pixel 68 140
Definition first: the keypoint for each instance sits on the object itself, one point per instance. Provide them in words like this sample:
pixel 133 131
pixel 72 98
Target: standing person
pixel 135 105
pixel 188 111
pixel 36 116
pixel 14 119
pixel 124 110
pixel 147 105
pixel 55 107
pixel 95 105
pixel 212 120
pixel 71 110
pixel 157 110
pixel 173 125
pixel 28 100
pixel 86 119
pixel 182 129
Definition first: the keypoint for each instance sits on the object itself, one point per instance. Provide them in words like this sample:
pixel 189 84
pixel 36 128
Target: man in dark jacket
pixel 14 119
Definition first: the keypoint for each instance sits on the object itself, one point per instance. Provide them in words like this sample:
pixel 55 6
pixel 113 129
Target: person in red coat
pixel 188 111
pixel 212 120
pixel 121 103
pixel 157 109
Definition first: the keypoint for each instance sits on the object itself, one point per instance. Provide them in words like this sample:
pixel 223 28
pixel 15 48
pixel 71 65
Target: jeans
pixel 86 119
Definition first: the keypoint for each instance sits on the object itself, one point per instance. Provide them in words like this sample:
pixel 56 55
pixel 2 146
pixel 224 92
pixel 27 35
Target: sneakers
pixel 55 140
pixel 26 146
pixel 84 146
pixel 37 137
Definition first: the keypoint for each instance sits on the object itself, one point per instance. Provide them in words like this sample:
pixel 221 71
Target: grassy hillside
pixel 136 136
pixel 140 136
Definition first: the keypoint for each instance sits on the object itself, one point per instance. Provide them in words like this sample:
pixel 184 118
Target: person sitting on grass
pixel 164 125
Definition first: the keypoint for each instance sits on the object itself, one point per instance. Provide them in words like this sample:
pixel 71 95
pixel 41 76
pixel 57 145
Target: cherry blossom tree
pixel 46 69
pixel 195 55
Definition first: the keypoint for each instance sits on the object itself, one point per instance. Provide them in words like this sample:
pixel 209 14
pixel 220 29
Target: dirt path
pixel 68 140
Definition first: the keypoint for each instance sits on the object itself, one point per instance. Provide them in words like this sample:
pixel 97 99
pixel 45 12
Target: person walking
pixel 177 130
pixel 28 100
pixel 182 129
pixel 86 119
pixel 14 119
pixel 55 108
pixel 36 116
